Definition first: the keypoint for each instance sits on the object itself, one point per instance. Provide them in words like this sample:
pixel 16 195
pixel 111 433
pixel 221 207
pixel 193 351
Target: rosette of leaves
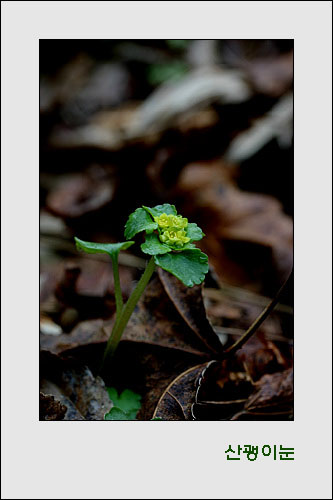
pixel 170 238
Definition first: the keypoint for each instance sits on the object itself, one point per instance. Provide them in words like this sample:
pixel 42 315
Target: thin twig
pixel 255 325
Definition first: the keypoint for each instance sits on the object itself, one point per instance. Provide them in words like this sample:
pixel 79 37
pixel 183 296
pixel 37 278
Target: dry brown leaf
pixel 80 194
pixel 177 399
pixel 73 385
pixel 190 305
pixel 50 408
pixel 157 321
pixel 249 238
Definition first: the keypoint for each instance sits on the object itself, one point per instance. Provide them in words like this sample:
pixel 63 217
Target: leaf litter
pixel 193 141
pixel 73 386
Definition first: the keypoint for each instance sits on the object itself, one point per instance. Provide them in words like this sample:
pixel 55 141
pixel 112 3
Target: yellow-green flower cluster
pixel 172 229
pixel 174 238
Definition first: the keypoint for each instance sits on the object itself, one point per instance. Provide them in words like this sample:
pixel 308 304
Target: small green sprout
pixel 169 241
pixel 125 406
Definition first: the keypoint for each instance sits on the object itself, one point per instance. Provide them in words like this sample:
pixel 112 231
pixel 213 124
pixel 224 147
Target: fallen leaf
pixel 249 238
pixel 154 368
pixel 73 386
pixel 260 356
pixel 107 131
pixel 225 392
pixel 222 391
pixel 85 333
pixel 189 303
pixel 156 321
pixel 274 393
pixel 177 399
pixel 80 194
pixel 50 408
pixel 81 289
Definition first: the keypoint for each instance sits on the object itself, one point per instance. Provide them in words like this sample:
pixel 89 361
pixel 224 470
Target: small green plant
pixel 168 241
pixel 125 406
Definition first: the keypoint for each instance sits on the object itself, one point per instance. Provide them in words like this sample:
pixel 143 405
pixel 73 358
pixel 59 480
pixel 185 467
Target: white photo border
pixel 164 459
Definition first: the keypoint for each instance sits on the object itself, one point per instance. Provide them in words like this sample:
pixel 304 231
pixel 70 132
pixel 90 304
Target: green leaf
pixel 111 249
pixel 116 414
pixel 187 246
pixel 194 232
pixel 189 266
pixel 153 245
pixel 139 221
pixel 166 208
pixel 156 418
pixel 128 403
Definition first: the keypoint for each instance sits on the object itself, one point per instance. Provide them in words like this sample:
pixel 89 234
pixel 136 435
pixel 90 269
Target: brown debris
pixel 177 399
pixel 74 387
pixel 248 235
pixel 80 194
pixel 50 408
pixel 189 304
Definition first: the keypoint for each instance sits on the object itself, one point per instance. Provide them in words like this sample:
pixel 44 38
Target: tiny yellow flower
pixel 178 222
pixel 175 238
pixel 171 221
pixel 162 221
pixel 181 235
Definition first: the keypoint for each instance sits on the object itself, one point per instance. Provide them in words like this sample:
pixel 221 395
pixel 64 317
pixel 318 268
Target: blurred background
pixel 206 125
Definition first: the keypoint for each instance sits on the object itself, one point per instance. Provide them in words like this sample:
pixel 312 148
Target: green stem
pixel 117 289
pixel 122 321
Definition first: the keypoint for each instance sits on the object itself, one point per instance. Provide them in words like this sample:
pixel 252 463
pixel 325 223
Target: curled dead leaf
pixel 189 303
pixel 225 392
pixel 222 391
pixel 177 399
